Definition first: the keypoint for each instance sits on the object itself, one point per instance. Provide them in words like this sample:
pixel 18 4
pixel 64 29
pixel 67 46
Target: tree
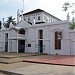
pixel 9 20
pixel 68 5
pixel 65 7
pixel 72 25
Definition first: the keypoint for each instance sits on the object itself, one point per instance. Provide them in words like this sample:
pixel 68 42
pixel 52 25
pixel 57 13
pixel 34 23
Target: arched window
pixel 58 37
pixel 28 19
pixel 40 34
pixel 22 31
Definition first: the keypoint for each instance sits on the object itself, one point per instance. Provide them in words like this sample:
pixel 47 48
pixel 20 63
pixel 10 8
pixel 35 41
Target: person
pixel 39 49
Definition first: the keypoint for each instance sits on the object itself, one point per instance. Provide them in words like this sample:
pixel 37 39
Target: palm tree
pixel 10 19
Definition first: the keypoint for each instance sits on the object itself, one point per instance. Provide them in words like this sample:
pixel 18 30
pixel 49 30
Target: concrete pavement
pixel 53 59
pixel 44 69
pixel 14 64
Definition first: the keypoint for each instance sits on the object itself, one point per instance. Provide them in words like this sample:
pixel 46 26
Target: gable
pixel 22 24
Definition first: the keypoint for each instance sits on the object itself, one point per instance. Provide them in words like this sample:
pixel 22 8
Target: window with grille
pixel 40 33
pixel 29 45
pixel 58 36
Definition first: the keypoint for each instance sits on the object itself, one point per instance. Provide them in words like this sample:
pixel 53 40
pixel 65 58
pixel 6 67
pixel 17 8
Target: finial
pixel 22 14
pixel 68 17
pixel 18 15
pixel 23 4
pixel 2 26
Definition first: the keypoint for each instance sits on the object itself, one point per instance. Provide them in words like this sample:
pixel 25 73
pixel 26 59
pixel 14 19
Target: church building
pixel 38 32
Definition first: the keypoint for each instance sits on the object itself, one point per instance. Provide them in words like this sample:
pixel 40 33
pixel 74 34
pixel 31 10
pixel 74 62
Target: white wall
pixel 65 44
pixel 49 29
pixel 30 40
pixel 31 16
pixel 44 17
pixel 72 42
pixel 2 39
pixel 49 17
pixel 48 38
pixel 12 43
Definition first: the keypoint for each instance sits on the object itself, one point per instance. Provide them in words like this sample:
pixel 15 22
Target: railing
pixel 18 35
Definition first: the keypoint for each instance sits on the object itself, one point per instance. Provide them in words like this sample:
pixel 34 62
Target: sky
pixel 54 7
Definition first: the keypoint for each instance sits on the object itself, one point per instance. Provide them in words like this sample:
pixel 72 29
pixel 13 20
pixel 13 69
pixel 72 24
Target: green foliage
pixel 10 19
pixel 72 25
pixel 66 6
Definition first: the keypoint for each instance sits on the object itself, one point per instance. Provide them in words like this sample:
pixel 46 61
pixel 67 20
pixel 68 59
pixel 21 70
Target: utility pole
pixel 23 4
pixel 22 11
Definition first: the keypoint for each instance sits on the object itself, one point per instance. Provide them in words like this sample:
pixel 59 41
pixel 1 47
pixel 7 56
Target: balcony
pixel 17 36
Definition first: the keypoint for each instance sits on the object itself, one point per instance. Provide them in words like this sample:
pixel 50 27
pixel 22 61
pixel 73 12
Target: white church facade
pixel 38 32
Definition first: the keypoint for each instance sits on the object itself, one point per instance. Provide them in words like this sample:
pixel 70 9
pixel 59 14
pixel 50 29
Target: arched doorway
pixel 6 42
pixel 40 41
pixel 21 43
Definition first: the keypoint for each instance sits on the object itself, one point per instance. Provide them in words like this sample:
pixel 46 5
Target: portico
pixel 18 38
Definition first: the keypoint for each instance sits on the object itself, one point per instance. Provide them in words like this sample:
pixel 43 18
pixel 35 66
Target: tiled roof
pixel 39 10
pixel 34 11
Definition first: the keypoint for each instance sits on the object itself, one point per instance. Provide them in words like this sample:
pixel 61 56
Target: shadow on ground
pixel 8 73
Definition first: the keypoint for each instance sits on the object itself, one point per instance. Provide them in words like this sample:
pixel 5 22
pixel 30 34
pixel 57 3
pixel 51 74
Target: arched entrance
pixel 21 43
pixel 40 41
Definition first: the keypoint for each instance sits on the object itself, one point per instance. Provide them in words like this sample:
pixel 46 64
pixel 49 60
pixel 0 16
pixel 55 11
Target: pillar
pixel 17 45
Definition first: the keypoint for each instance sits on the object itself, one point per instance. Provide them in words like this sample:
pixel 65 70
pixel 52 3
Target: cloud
pixel 9 7
pixel 3 15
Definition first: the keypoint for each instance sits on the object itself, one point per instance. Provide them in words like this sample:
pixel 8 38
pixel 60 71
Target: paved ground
pixel 13 66
pixel 53 59
pixel 44 69
pixel 14 55
pixel 24 68
pixel 12 62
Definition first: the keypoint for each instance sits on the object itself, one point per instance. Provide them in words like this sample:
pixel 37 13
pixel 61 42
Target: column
pixel 73 51
pixel 17 45
pixel 8 46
